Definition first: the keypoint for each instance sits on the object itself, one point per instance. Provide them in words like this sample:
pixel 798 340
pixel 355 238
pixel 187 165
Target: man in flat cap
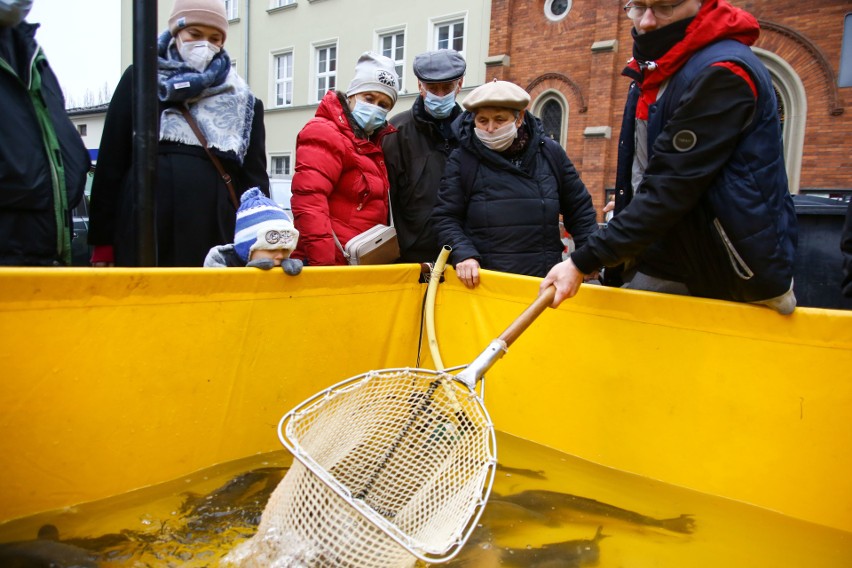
pixel 416 155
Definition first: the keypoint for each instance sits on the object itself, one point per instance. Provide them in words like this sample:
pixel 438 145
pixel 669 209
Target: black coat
pixel 506 215
pixel 193 208
pixel 35 198
pixel 415 157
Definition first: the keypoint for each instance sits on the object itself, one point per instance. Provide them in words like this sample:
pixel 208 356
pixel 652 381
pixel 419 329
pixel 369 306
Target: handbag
pixel 222 173
pixel 377 245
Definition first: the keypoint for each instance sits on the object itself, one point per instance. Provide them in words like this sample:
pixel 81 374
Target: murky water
pixel 548 510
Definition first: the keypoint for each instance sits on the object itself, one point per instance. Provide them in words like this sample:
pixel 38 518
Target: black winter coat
pixel 416 157
pixel 193 207
pixel 42 172
pixel 506 215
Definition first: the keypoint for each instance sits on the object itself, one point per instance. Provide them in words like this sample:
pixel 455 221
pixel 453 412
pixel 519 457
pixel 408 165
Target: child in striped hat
pixel 264 237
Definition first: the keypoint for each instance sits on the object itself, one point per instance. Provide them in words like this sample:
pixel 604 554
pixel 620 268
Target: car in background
pixel 279 192
pixel 81 252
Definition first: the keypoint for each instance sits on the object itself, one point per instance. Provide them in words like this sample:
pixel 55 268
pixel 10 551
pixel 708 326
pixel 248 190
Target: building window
pixel 281 3
pixel 555 10
pixel 450 35
pixel 326 70
pixel 393 45
pixel 279 166
pixel 792 112
pixel 231 9
pixel 551 119
pixel 845 76
pixel 283 71
pixel 81 128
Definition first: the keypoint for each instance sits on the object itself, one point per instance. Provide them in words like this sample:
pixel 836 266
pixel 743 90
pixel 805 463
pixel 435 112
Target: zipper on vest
pixel 739 265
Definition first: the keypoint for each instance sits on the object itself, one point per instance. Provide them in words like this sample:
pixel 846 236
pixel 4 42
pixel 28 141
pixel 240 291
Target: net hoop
pixel 473 404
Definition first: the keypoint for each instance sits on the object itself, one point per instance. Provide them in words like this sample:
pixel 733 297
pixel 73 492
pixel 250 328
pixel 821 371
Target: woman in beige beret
pixel 504 189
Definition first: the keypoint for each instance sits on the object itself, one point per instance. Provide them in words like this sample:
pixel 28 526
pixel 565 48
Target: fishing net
pixel 391 466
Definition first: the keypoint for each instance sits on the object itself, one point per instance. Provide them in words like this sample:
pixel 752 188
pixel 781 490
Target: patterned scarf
pixel 218 99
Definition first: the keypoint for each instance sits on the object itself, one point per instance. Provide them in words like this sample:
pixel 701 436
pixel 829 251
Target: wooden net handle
pixel 523 321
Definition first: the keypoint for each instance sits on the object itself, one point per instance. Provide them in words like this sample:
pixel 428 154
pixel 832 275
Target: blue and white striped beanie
pixel 262 224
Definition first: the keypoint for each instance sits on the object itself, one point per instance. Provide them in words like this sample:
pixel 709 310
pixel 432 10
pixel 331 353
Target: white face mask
pixel 500 139
pixel 197 54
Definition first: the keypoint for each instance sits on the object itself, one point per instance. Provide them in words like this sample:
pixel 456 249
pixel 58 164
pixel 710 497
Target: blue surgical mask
pixel 369 117
pixel 440 107
pixel 13 12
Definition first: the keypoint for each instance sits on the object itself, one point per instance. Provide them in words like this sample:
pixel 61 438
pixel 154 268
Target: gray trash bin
pixel 818 268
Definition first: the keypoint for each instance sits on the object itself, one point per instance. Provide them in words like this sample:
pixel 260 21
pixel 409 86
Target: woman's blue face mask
pixel 369 117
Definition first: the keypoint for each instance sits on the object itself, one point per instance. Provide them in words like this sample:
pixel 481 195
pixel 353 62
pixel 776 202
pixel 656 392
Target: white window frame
pixel 287 157
pixel 278 81
pixel 548 11
pixel 280 3
pixel 232 10
pixel 558 98
pixel 317 75
pixel 399 63
pixel 795 101
pixel 436 23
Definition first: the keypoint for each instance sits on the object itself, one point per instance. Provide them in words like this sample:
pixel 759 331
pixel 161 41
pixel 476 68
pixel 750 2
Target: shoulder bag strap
pixel 339 246
pixel 222 173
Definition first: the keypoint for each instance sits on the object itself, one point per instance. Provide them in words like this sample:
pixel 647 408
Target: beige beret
pixel 502 94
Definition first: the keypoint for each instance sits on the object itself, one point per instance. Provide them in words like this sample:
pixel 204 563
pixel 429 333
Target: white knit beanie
pixel 374 72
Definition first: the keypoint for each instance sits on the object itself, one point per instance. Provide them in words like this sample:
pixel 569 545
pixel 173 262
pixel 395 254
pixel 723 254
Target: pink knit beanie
pixel 198 13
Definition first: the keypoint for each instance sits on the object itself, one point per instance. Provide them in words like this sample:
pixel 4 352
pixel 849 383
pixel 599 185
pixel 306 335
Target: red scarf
pixel 716 20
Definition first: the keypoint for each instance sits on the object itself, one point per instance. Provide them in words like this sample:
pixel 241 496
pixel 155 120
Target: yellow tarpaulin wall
pixel 118 379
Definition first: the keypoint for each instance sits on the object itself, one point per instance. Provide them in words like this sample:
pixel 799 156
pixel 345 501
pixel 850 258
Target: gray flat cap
pixel 439 66
pixel 501 94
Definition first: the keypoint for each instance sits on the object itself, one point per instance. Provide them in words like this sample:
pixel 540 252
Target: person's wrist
pixel 103 253
pixel 584 260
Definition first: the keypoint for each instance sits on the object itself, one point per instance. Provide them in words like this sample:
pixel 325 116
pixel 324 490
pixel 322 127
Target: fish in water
pixel 483 553
pixel 241 500
pixel 45 552
pixel 568 554
pixel 553 508
pixel 531 473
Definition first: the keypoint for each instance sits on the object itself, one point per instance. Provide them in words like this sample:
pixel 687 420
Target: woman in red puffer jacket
pixel 341 182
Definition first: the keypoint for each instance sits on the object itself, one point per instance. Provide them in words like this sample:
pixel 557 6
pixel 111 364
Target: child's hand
pixel 291 266
pixel 262 263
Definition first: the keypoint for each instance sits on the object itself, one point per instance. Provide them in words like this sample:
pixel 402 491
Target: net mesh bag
pixel 392 466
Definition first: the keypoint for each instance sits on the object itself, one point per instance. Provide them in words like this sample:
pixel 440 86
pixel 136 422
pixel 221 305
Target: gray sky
pixel 82 40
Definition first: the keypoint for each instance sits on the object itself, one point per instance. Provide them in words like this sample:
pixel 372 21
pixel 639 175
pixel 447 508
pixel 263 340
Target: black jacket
pixel 193 207
pixel 415 159
pixel 716 216
pixel 43 161
pixel 506 215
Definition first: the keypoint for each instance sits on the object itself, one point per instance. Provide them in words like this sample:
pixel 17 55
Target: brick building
pixel 569 56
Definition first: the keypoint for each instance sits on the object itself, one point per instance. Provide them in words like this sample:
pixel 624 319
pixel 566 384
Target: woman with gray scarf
pixel 194 208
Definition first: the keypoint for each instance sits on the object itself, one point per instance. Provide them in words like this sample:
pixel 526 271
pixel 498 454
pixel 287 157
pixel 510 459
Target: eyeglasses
pixel 661 11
